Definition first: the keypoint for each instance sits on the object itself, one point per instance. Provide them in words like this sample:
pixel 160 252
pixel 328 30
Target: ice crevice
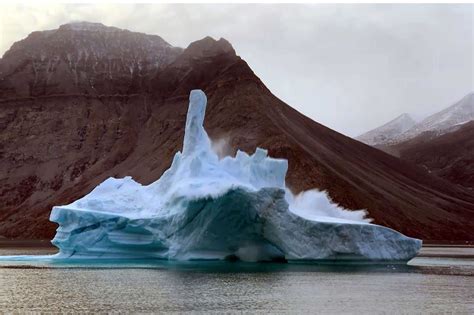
pixel 204 208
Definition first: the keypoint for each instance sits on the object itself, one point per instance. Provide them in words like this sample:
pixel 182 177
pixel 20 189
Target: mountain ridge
pixel 102 61
pixel 441 122
pixel 446 120
pixel 388 131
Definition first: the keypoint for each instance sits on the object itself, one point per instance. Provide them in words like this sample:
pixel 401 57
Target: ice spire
pixel 195 137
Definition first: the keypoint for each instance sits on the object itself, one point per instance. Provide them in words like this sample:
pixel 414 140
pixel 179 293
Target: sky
pixel 351 67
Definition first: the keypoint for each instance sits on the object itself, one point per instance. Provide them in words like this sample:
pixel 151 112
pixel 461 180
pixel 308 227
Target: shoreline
pixel 6 242
pixel 459 250
pixel 9 243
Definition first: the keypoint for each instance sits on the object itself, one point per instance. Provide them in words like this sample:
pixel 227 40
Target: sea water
pixel 429 284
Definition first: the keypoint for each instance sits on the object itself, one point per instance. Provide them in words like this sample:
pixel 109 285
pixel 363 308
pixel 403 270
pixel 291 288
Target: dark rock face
pixel 449 156
pixel 59 141
pixel 83 58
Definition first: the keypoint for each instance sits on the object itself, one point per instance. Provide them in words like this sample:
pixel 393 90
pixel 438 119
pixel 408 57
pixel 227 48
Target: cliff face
pixel 83 58
pixel 58 141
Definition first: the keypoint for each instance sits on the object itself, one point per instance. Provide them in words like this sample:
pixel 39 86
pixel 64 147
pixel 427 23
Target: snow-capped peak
pixel 388 131
pixel 404 127
pixel 445 120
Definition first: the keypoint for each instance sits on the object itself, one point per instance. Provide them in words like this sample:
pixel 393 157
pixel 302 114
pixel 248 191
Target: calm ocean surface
pixel 440 281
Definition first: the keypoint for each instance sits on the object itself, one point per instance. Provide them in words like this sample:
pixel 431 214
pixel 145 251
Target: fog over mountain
pixel 350 67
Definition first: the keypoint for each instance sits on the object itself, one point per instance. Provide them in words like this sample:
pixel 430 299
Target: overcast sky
pixel 350 67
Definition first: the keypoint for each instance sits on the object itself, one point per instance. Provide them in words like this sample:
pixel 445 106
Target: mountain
pixel 389 131
pixel 403 128
pixel 83 58
pixel 58 141
pixel 449 155
pixel 440 144
pixel 444 121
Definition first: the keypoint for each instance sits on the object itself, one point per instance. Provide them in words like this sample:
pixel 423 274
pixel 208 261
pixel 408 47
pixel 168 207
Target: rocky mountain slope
pixel 58 141
pixel 445 121
pixel 450 155
pixel 440 144
pixel 83 58
pixel 389 131
pixel 403 128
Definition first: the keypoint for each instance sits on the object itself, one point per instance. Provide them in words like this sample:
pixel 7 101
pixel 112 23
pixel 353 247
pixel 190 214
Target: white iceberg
pixel 204 207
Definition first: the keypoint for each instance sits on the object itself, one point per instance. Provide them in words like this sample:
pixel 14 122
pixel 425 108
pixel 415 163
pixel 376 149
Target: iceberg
pixel 209 208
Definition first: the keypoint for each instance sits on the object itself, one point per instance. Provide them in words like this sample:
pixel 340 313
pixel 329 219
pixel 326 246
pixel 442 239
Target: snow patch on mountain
pixel 404 127
pixel 447 120
pixel 388 131
pixel 83 58
pixel 88 26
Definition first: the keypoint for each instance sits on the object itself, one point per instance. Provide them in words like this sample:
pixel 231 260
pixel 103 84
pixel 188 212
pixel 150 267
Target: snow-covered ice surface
pixel 205 208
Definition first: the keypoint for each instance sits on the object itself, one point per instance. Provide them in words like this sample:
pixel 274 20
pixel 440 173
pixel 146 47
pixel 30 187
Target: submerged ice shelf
pixel 204 207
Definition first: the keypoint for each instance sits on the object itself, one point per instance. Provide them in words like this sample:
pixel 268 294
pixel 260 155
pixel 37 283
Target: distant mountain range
pixel 442 144
pixel 84 102
pixel 389 131
pixel 405 128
